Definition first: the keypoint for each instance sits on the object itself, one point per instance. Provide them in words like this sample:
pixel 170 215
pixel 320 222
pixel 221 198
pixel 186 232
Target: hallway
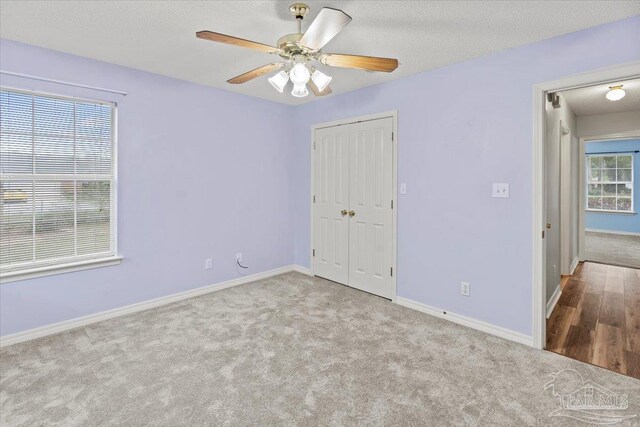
pixel 597 318
pixel 610 248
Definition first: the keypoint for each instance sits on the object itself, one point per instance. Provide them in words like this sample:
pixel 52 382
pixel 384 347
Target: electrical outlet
pixel 500 190
pixel 239 257
pixel 208 264
pixel 555 269
pixel 465 289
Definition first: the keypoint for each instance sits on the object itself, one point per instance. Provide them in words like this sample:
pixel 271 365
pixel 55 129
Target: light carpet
pixel 615 249
pixel 289 350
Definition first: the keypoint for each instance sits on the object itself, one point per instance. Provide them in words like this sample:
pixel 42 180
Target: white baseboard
pixel 301 269
pixel 621 233
pixel 78 322
pixel 554 300
pixel 574 265
pixel 468 322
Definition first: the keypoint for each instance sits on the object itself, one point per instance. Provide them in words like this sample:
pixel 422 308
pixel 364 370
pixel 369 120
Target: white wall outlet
pixel 239 257
pixel 403 188
pixel 465 289
pixel 555 269
pixel 500 190
pixel 208 264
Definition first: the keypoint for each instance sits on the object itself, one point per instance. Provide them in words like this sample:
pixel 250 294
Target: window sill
pixel 51 270
pixel 597 211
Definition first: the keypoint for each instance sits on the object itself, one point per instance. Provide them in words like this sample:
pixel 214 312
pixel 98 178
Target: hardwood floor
pixel 597 318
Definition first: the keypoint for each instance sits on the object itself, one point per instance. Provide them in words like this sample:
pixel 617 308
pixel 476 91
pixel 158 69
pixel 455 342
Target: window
pixel 610 182
pixel 56 182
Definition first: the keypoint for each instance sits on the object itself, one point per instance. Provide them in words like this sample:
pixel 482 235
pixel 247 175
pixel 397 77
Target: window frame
pixel 588 157
pixel 29 270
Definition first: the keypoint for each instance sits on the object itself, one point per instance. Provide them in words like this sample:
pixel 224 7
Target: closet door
pixel 370 213
pixel 331 206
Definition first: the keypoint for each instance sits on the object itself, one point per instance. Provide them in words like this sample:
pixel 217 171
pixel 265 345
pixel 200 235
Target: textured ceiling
pixel 592 100
pixel 158 36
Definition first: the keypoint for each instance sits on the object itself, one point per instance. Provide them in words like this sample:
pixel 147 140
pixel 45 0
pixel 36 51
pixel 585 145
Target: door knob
pixel 548 225
pixel 352 213
pixel 343 212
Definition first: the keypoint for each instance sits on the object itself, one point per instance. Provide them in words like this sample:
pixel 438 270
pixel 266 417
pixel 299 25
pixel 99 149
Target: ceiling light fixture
pixel 279 81
pixel 615 93
pixel 300 91
pixel 300 50
pixel 299 74
pixel 320 79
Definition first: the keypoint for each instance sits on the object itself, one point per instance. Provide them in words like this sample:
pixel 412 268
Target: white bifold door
pixel 353 205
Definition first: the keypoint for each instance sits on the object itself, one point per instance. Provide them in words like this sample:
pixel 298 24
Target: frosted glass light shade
pixel 616 93
pixel 320 79
pixel 299 74
pixel 279 81
pixel 300 91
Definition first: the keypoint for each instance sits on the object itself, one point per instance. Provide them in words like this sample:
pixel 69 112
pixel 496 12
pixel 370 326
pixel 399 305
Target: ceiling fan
pixel 299 50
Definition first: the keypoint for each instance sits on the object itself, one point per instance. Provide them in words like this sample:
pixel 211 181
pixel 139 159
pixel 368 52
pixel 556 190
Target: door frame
pixel 393 114
pixel 540 90
pixel 565 203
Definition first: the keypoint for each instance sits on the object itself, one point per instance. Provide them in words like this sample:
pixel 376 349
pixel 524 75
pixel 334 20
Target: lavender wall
pixel 202 173
pixel 461 128
pixel 206 173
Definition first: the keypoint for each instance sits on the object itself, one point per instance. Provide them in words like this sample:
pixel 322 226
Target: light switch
pixel 403 188
pixel 500 190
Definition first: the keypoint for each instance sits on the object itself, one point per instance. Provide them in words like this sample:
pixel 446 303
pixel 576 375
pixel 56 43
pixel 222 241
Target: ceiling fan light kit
pixel 299 74
pixel 279 80
pixel 300 91
pixel 320 79
pixel 299 49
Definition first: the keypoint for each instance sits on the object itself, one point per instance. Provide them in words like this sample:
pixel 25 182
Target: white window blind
pixel 610 182
pixel 56 180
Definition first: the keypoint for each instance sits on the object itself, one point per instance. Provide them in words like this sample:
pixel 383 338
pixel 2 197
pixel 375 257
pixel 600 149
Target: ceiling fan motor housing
pixel 289 47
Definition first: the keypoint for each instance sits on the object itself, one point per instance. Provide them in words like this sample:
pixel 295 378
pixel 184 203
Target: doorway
pixel 354 205
pixel 591 307
pixel 612 190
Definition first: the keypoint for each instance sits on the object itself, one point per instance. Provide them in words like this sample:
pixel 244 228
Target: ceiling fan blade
pixel 223 38
pixel 326 26
pixel 250 75
pixel 327 90
pixel 369 63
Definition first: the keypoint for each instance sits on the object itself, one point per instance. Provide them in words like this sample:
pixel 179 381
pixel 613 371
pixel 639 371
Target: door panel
pixel 331 182
pixel 371 193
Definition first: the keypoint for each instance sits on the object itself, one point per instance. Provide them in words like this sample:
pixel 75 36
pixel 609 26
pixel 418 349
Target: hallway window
pixel 610 182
